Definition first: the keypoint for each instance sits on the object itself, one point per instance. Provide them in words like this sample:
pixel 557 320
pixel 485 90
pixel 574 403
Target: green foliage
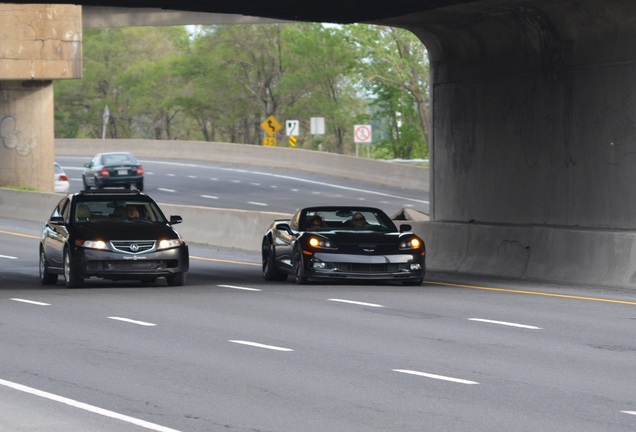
pixel 220 84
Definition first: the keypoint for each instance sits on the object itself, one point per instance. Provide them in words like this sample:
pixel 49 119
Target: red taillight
pixel 63 178
pixel 140 170
pixel 104 172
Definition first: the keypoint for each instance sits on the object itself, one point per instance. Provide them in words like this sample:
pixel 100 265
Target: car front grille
pixel 369 268
pixel 133 246
pixel 129 265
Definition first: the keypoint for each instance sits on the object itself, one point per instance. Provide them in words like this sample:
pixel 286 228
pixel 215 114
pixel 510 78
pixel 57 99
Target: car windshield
pixel 346 219
pixel 118 158
pixel 105 210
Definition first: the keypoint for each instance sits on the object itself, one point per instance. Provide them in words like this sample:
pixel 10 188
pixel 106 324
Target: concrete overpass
pixel 533 127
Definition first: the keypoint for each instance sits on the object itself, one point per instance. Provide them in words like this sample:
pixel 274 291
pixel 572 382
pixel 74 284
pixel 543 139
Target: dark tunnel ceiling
pixel 335 11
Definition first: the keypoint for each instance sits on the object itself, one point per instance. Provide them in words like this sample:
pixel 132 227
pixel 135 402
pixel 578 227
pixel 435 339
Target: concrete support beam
pixel 38 43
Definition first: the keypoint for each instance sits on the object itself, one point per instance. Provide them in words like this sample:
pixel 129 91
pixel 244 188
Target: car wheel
pixel 70 274
pixel 46 278
pixel 176 279
pixel 140 186
pixel 86 185
pixel 270 272
pixel 299 267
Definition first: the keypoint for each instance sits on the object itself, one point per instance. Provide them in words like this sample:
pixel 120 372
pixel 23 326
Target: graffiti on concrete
pixel 12 138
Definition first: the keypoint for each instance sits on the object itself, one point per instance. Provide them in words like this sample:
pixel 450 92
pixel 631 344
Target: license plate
pixel 122 172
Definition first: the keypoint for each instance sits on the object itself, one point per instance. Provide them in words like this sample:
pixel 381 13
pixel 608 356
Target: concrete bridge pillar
pixel 39 43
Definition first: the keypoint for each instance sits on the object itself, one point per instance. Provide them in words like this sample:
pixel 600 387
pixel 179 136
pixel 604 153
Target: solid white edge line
pixel 128 320
pixel 505 323
pixel 31 302
pixel 259 345
pixel 356 303
pixel 438 377
pixel 87 407
pixel 239 288
pixel 629 412
pixel 8 257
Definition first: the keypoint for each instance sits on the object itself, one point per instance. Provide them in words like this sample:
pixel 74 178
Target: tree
pixel 395 68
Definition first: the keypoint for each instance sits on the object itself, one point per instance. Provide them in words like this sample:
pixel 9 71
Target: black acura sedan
pixel 110 234
pixel 341 242
pixel 115 169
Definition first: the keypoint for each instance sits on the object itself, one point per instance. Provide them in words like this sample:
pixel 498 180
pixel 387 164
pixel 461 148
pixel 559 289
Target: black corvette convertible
pixel 342 242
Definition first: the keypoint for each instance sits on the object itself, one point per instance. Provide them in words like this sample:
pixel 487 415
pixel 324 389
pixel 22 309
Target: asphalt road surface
pixel 231 352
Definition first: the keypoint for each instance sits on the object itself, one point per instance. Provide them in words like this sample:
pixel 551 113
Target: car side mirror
pixel 175 219
pixel 405 228
pixel 56 220
pixel 284 226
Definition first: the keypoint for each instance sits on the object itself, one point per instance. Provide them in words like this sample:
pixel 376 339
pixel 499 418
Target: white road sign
pixel 292 127
pixel 362 133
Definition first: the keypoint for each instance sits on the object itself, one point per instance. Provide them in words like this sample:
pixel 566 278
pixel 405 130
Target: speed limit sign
pixel 362 133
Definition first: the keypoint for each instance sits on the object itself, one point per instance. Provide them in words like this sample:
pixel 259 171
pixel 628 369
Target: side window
pixel 59 208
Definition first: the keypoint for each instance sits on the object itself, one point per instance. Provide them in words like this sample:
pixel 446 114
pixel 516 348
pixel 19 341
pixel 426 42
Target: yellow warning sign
pixel 292 141
pixel 269 142
pixel 271 125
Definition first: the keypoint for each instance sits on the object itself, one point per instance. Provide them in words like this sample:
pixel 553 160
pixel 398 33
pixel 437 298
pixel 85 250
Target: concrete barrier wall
pixel 368 170
pixel 557 255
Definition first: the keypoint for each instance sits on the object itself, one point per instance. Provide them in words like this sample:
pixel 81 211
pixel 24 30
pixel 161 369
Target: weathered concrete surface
pixel 38 43
pixel 26 134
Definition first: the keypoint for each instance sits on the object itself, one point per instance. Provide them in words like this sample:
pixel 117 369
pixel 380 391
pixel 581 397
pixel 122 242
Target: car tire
pixel 176 279
pixel 270 272
pixel 46 278
pixel 299 267
pixel 72 279
pixel 140 186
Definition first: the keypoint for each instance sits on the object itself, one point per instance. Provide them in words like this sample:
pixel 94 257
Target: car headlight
pixel 91 244
pixel 171 243
pixel 320 243
pixel 411 243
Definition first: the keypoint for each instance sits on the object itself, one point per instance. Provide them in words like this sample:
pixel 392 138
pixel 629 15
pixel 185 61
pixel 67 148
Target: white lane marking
pixel 213 178
pixel 166 190
pixel 255 184
pixel 192 176
pixel 294 190
pixel 510 324
pixel 257 203
pixel 356 303
pixel 86 407
pixel 171 175
pixel 209 197
pixel 31 302
pixel 258 345
pixel 235 181
pixel 297 179
pixel 629 412
pixel 433 376
pixel 128 320
pixel 239 288
pixel 8 257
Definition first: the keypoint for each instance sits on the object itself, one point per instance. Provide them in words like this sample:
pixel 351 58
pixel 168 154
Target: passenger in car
pixel 316 222
pixel 132 212
pixel 358 221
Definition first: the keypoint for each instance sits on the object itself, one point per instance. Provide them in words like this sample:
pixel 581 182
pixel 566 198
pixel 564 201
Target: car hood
pixel 123 231
pixel 357 237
